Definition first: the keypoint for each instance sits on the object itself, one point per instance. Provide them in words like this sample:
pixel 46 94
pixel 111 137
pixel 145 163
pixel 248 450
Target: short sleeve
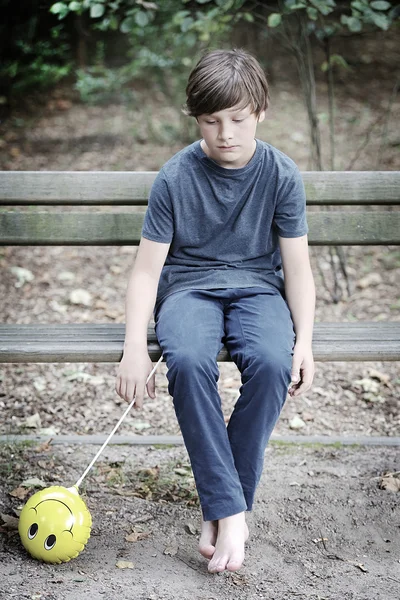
pixel 158 223
pixel 290 212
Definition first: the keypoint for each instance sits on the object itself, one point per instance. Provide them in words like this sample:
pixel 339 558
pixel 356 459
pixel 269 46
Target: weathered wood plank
pixel 118 188
pixel 75 187
pixel 352 187
pixel 78 228
pixel 93 332
pixel 104 342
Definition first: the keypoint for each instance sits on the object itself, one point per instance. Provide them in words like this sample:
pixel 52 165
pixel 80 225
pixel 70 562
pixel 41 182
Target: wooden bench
pixel 349 208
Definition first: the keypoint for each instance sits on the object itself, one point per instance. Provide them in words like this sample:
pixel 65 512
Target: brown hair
pixel 223 79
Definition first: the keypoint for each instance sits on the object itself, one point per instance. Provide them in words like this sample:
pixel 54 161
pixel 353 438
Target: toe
pixel 234 564
pixel 218 564
pixel 207 550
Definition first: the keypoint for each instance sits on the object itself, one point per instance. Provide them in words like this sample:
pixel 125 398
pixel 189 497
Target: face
pixel 55 524
pixel 228 135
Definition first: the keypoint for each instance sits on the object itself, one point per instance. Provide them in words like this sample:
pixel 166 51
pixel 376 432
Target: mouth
pixel 227 148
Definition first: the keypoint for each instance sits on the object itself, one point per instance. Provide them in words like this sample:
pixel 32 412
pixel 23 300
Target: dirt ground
pixel 322 529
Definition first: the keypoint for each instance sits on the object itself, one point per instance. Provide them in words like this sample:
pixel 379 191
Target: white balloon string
pixel 78 483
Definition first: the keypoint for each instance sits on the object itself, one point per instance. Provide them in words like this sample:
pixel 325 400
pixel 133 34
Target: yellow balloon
pixel 55 524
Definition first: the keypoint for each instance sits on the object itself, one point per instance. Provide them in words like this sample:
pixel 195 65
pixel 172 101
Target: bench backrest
pixel 345 208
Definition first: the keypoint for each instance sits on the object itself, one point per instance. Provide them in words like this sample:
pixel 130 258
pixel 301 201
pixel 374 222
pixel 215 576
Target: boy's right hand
pixel 132 373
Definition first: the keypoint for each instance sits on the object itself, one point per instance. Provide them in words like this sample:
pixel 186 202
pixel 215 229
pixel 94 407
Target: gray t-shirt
pixel 223 224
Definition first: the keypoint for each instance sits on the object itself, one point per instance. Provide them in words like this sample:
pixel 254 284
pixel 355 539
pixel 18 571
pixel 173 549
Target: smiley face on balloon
pixel 55 524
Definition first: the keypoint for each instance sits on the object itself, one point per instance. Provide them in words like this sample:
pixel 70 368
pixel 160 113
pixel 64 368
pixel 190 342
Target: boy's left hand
pixel 302 370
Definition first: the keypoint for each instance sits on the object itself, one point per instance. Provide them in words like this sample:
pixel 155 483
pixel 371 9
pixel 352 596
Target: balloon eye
pixel 50 542
pixel 32 531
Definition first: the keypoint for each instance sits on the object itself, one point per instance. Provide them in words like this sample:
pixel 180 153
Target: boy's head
pixel 226 78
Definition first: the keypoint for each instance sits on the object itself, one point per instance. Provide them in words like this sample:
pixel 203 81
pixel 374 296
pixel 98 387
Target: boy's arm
pixel 300 296
pixel 136 365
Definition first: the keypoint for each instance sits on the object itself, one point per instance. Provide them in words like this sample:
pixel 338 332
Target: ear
pixel 261 116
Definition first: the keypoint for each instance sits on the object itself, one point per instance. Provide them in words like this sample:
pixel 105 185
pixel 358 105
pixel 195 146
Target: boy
pixel 225 215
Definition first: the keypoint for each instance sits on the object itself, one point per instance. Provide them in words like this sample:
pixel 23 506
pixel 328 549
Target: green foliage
pixel 334 59
pixel 355 16
pixel 99 84
pixel 164 39
pixel 38 64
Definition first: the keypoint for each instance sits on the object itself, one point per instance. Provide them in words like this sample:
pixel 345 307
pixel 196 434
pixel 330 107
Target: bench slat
pixel 75 187
pixel 118 188
pixel 75 228
pixel 104 342
pixel 352 187
pixel 115 331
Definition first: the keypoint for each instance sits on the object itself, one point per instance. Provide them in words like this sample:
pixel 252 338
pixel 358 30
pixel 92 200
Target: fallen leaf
pixel 190 528
pixel 9 522
pixel 373 398
pixel 150 472
pixel 382 377
pixel 390 483
pixel 48 431
pixel 124 564
pixel 66 276
pixel 172 549
pixel 183 471
pixel 80 296
pixel 238 579
pixel 23 275
pixel 136 536
pixel 96 380
pixel 368 280
pixel 15 151
pixel 33 421
pixel 140 425
pixel 39 384
pixel 296 423
pixel 19 492
pixel 33 482
pixel 368 385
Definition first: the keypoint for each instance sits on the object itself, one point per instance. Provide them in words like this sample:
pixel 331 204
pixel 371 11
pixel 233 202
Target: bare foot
pixel 229 548
pixel 208 538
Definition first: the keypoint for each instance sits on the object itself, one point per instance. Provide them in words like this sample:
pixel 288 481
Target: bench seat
pixel 353 341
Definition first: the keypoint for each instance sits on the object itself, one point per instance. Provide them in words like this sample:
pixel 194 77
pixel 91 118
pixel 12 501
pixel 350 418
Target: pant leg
pixel 190 328
pixel 260 338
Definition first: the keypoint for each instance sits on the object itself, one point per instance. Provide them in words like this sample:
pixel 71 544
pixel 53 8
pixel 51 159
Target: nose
pixel 225 132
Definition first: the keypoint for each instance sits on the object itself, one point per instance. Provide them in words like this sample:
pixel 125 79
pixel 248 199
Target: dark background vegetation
pixel 114 50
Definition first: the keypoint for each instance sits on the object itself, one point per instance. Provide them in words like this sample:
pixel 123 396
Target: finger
pixel 139 393
pixel 151 387
pixel 130 392
pixel 295 374
pixel 123 389
pixel 118 386
pixel 304 384
pixel 300 389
